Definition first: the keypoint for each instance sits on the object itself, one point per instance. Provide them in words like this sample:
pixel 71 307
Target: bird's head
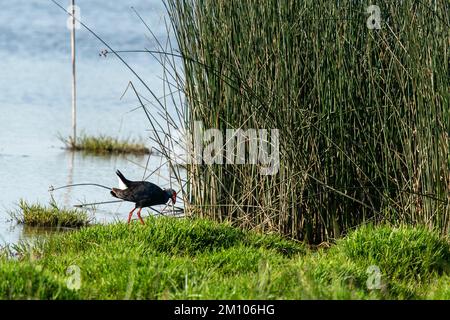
pixel 172 195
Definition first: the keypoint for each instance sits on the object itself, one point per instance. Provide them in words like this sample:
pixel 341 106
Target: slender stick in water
pixel 95 203
pixel 51 188
pixel 74 84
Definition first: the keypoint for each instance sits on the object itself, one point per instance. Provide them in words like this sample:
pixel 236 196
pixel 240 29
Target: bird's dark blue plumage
pixel 142 193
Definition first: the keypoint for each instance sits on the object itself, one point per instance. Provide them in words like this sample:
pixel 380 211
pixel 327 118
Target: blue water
pixel 35 101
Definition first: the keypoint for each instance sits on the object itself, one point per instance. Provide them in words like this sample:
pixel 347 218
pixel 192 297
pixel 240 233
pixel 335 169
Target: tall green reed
pixel 363 114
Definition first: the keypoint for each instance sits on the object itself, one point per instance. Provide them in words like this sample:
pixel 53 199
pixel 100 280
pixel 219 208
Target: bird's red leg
pixel 130 215
pixel 139 215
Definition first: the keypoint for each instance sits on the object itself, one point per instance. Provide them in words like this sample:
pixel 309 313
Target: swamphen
pixel 143 193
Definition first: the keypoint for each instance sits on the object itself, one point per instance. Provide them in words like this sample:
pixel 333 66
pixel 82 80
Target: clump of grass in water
pixel 50 216
pixel 104 144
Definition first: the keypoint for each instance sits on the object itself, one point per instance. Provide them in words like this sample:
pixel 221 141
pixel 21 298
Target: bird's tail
pixel 115 192
pixel 122 178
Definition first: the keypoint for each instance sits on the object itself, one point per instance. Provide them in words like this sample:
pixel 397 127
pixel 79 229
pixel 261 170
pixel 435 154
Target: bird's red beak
pixel 174 197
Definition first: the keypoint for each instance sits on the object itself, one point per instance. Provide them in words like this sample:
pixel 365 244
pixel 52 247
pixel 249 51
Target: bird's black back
pixel 143 193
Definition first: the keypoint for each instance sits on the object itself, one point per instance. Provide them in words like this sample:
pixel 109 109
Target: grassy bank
pixel 198 259
pixel 106 145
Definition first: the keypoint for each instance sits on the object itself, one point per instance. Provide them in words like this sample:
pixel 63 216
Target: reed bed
pixel 363 114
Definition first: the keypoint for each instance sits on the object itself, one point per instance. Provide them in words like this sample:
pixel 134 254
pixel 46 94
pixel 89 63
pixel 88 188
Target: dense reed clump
pixel 363 114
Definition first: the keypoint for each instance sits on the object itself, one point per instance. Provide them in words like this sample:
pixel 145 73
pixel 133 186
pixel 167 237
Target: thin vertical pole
pixel 74 82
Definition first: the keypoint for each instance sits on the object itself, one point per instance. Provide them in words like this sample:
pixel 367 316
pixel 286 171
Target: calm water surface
pixel 35 102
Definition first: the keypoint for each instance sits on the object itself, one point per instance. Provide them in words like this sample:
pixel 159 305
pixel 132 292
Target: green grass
pixel 198 259
pixel 50 216
pixel 104 145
